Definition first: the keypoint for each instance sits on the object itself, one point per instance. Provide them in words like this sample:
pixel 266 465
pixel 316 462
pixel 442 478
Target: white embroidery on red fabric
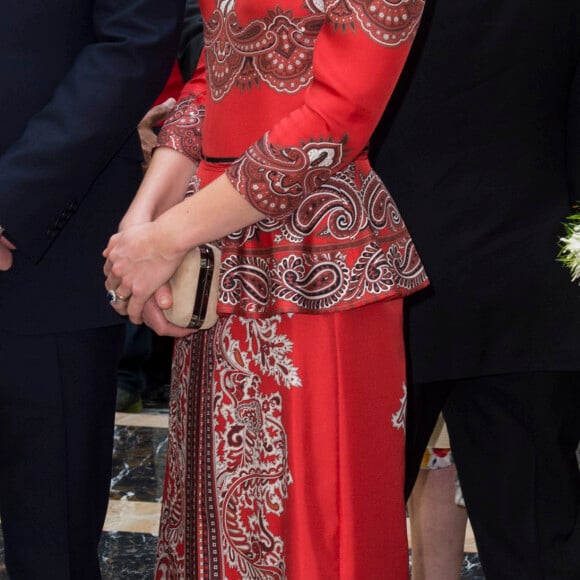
pixel 399 419
pixel 220 516
pixel 251 452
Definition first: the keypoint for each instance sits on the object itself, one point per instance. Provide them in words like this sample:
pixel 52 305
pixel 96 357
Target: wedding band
pixel 114 297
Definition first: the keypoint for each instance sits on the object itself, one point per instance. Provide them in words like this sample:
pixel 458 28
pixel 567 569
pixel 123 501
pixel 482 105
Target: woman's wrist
pixel 134 218
pixel 169 238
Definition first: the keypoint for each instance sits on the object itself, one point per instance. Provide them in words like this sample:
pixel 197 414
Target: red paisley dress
pixel 286 437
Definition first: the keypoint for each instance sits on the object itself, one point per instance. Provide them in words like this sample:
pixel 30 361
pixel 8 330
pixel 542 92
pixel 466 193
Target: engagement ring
pixel 114 297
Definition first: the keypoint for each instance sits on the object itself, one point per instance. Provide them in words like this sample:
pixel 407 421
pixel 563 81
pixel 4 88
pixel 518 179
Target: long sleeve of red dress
pixel 288 95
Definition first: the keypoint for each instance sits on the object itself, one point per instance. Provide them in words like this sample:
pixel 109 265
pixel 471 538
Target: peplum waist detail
pixel 345 246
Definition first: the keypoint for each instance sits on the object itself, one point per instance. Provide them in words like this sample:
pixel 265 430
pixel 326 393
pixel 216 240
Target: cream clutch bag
pixel 195 289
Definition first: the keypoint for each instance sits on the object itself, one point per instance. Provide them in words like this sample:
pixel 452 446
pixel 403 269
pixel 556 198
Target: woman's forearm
pixel 163 186
pixel 214 212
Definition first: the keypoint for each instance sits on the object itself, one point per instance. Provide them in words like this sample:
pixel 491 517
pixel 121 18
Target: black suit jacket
pixel 480 148
pixel 77 75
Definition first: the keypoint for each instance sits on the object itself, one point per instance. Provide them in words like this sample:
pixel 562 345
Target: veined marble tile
pixel 133 516
pixel 131 556
pixel 124 556
pixel 472 569
pixel 127 556
pixel 139 463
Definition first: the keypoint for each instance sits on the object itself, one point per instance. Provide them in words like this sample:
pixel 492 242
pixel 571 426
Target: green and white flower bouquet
pixel 570 245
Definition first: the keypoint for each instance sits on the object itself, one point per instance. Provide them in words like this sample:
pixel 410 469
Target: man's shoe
pixel 128 402
pixel 156 397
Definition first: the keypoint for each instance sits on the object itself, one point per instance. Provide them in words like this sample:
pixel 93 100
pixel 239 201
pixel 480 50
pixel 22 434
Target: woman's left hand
pixel 139 260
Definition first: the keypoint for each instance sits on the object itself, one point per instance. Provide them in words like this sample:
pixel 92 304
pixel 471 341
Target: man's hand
pixel 6 249
pixel 148 137
pixel 154 318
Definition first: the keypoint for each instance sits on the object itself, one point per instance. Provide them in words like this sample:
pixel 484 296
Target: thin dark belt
pixel 218 159
pixel 364 153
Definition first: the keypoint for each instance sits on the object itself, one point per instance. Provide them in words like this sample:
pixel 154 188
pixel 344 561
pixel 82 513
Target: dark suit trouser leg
pixel 514 439
pixel 57 401
pixel 136 350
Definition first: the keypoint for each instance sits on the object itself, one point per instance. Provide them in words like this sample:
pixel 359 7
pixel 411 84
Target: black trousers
pixel 146 360
pixel 514 439
pixel 136 350
pixel 57 402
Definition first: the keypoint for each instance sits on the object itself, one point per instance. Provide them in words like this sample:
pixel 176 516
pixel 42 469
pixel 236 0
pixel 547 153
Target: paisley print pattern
pixel 242 437
pixel 319 281
pixel 182 131
pixel 244 397
pixel 352 212
pixel 275 179
pixel 388 22
pixel 345 206
pixel 251 469
pixel 276 50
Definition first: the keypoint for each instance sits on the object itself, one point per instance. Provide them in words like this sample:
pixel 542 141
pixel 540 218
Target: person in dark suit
pixel 481 151
pixel 145 366
pixel 77 75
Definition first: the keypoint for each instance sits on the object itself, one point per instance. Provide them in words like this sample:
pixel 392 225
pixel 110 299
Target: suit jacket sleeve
pixel 191 41
pixel 46 173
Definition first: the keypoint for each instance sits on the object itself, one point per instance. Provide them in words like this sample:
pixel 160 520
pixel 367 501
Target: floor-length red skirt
pixel 285 455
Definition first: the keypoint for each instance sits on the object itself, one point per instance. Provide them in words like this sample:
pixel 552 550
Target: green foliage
pixel 569 253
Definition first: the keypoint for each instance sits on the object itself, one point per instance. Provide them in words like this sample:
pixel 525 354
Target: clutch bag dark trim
pixel 206 270
pixel 195 289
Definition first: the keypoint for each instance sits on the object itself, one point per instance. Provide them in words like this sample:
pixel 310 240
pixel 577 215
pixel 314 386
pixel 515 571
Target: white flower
pixel 570 247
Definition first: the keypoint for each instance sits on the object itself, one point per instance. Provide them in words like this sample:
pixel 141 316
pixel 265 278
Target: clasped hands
pixel 138 266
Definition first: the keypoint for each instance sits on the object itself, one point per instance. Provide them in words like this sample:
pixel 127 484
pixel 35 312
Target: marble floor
pixel 129 540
